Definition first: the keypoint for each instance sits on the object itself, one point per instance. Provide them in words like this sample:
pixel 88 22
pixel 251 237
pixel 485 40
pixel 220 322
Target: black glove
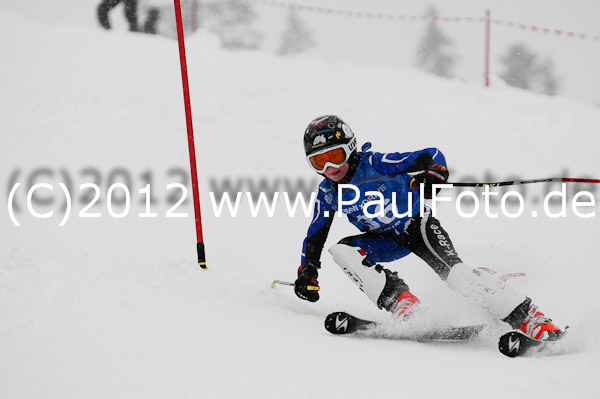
pixel 307 286
pixel 436 174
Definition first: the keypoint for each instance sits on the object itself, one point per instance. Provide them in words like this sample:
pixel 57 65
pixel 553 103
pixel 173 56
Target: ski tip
pixel 337 322
pixel 515 344
pixel 510 344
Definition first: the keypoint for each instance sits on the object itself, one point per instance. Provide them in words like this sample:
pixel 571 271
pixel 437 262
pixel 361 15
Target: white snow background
pixel 117 308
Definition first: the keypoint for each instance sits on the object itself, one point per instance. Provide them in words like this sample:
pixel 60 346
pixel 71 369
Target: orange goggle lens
pixel 336 156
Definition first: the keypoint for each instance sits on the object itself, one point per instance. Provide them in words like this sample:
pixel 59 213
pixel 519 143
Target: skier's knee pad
pixel 367 278
pixel 377 283
pixel 496 297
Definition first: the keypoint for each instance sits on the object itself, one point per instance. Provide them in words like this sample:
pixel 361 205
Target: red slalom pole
pixel 190 133
pixel 487 48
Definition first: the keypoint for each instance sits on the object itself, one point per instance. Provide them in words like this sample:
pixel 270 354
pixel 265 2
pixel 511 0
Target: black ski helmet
pixel 328 131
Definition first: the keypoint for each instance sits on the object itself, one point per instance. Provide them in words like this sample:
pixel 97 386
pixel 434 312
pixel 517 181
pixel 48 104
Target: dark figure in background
pixel 151 21
pixel 130 13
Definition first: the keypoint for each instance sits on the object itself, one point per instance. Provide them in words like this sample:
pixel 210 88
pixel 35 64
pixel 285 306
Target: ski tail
pixel 463 333
pixel 343 323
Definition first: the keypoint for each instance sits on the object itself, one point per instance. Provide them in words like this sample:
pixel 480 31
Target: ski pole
pixel 530 181
pixel 280 282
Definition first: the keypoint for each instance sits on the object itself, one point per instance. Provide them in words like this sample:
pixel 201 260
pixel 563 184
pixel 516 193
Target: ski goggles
pixel 333 156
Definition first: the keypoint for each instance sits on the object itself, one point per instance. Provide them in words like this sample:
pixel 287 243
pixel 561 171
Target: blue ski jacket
pixel 387 173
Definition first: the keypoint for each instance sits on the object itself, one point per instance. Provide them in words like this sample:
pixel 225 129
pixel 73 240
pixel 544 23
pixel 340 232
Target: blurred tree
pixel 549 80
pixel 435 53
pixel 520 66
pixel 297 38
pixel 232 21
pixel 522 69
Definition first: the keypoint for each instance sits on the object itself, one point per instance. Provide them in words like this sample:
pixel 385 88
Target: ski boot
pixel 539 327
pixel 406 305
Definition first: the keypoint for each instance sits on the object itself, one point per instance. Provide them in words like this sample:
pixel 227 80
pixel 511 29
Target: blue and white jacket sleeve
pixel 318 229
pixel 396 163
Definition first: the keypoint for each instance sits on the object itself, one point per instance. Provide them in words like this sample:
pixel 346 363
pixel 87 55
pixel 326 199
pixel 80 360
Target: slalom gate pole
pixel 194 15
pixel 190 134
pixel 487 49
pixel 530 181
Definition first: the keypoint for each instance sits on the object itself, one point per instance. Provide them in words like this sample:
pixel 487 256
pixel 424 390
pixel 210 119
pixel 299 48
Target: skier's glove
pixel 436 174
pixel 307 286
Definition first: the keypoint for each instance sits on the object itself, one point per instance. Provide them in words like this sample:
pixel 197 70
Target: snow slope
pixel 106 307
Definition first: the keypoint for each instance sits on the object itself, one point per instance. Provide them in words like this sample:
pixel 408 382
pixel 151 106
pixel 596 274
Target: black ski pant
pixel 130 13
pixel 423 235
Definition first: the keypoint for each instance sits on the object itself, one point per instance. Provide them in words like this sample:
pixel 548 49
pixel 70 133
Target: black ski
pixel 344 323
pixel 515 343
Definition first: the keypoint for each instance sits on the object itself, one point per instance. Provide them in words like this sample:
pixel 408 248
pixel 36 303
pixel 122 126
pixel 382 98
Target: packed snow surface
pixel 117 308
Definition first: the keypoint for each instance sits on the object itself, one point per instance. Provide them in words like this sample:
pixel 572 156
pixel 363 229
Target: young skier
pixel 331 150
